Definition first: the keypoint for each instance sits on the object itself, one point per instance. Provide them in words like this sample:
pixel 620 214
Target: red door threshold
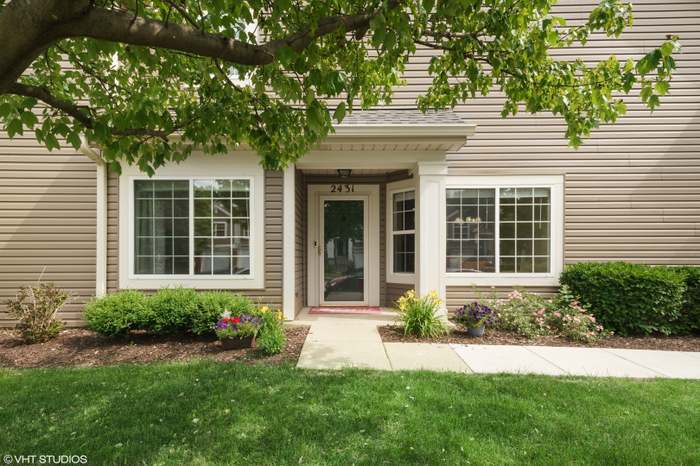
pixel 345 310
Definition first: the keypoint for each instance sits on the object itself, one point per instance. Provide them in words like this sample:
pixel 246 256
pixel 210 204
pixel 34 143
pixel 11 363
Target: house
pixel 459 202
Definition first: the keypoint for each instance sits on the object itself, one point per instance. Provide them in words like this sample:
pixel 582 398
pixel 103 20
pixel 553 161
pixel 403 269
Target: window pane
pixel 404 252
pixel 475 217
pixel 158 233
pixel 221 227
pixel 524 229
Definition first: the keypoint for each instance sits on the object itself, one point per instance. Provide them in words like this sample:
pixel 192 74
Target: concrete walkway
pixel 340 341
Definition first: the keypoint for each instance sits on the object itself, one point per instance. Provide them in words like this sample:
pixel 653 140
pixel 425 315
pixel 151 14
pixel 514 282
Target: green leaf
pixel 5 109
pixel 14 127
pixel 29 119
pixel 339 113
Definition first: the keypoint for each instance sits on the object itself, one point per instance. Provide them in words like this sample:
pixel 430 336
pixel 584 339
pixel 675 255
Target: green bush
pixel 212 304
pixel 691 305
pixel 117 313
pixel 271 338
pixel 419 315
pixel 629 298
pixel 171 310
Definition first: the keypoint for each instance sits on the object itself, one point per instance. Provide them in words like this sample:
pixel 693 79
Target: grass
pixel 214 413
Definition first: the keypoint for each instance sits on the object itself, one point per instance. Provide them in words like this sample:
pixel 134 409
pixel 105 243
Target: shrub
pixel 35 307
pixel 211 305
pixel 567 317
pixel 117 313
pixel 419 315
pixel 171 310
pixel 629 298
pixel 271 338
pixel 522 313
pixel 691 302
pixel 531 316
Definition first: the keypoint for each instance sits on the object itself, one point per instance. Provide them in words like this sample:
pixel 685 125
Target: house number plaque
pixel 342 188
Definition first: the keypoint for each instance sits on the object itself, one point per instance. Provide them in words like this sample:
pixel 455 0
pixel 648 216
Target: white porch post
pixel 430 229
pixel 288 243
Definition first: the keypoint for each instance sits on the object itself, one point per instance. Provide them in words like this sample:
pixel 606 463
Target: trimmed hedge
pixel 691 307
pixel 630 298
pixel 117 313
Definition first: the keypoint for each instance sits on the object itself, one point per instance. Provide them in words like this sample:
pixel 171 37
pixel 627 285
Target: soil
pixel 84 348
pixel 394 333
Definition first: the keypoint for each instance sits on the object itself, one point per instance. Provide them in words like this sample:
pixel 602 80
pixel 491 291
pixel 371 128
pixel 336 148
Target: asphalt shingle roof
pixel 399 116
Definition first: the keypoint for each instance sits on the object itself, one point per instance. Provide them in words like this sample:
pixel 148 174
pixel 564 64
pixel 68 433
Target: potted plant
pixel 475 317
pixel 239 331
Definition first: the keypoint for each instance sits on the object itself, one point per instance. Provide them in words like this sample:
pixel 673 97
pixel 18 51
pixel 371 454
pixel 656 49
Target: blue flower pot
pixel 476 331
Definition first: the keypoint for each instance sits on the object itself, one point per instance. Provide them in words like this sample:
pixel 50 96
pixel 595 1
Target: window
pixel 502 229
pixel 403 231
pixel 216 211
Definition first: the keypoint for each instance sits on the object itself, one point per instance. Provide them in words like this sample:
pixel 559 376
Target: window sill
pixel 401 278
pixel 228 283
pixel 512 280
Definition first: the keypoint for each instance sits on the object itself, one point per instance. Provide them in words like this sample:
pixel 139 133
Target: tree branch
pixel 77 113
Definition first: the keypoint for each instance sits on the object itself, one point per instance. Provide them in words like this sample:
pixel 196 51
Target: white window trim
pixel 391 189
pixel 556 185
pixel 237 166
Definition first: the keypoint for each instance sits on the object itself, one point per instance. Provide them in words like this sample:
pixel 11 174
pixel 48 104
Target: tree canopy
pixel 150 81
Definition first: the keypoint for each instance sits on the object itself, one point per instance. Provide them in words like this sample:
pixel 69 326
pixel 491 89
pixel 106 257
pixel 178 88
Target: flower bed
pixel 394 333
pixel 81 347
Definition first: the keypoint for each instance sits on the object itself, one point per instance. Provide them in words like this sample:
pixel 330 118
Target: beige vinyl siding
pixel 632 191
pixel 271 294
pixel 47 220
pixel 460 295
pixel 394 292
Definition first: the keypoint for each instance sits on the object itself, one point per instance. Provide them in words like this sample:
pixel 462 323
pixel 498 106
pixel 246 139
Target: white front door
pixel 344 259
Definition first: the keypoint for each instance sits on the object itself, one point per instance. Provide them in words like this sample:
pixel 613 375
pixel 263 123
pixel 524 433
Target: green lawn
pixel 213 413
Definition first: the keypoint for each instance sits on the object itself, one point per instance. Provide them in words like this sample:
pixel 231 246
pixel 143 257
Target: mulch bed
pixel 84 348
pixel 394 333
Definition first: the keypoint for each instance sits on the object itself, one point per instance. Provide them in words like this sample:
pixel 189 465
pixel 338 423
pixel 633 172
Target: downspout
pixel 101 218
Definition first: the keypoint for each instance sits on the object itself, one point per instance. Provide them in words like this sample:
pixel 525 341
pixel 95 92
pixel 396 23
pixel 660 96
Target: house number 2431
pixel 342 188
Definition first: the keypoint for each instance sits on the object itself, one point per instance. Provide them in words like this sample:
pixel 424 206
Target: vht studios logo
pixel 45 459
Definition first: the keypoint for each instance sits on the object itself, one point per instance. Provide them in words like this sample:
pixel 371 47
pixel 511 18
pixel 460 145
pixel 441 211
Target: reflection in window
pixel 161 227
pixel 403 231
pixel 470 230
pixel 221 227
pixel 524 230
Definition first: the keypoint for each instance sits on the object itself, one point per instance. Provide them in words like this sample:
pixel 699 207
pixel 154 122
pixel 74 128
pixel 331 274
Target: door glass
pixel 344 250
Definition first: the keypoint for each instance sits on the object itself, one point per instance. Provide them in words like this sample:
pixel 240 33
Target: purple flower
pixel 475 314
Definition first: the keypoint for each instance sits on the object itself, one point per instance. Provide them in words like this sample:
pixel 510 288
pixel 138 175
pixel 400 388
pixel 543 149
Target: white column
pixel 288 244
pixel 430 229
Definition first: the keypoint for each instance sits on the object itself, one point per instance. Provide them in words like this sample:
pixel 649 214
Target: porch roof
pixel 391 138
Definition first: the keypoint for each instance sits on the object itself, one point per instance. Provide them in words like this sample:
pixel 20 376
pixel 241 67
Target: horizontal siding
pixel 47 222
pixel 271 294
pixel 394 292
pixel 460 295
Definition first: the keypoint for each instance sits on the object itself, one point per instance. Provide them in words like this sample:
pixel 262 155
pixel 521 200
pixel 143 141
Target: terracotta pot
pixel 238 343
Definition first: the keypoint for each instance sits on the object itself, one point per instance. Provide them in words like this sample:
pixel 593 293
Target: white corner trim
pixel 101 174
pixel 556 185
pixel 236 165
pixel 289 243
pixel 391 189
